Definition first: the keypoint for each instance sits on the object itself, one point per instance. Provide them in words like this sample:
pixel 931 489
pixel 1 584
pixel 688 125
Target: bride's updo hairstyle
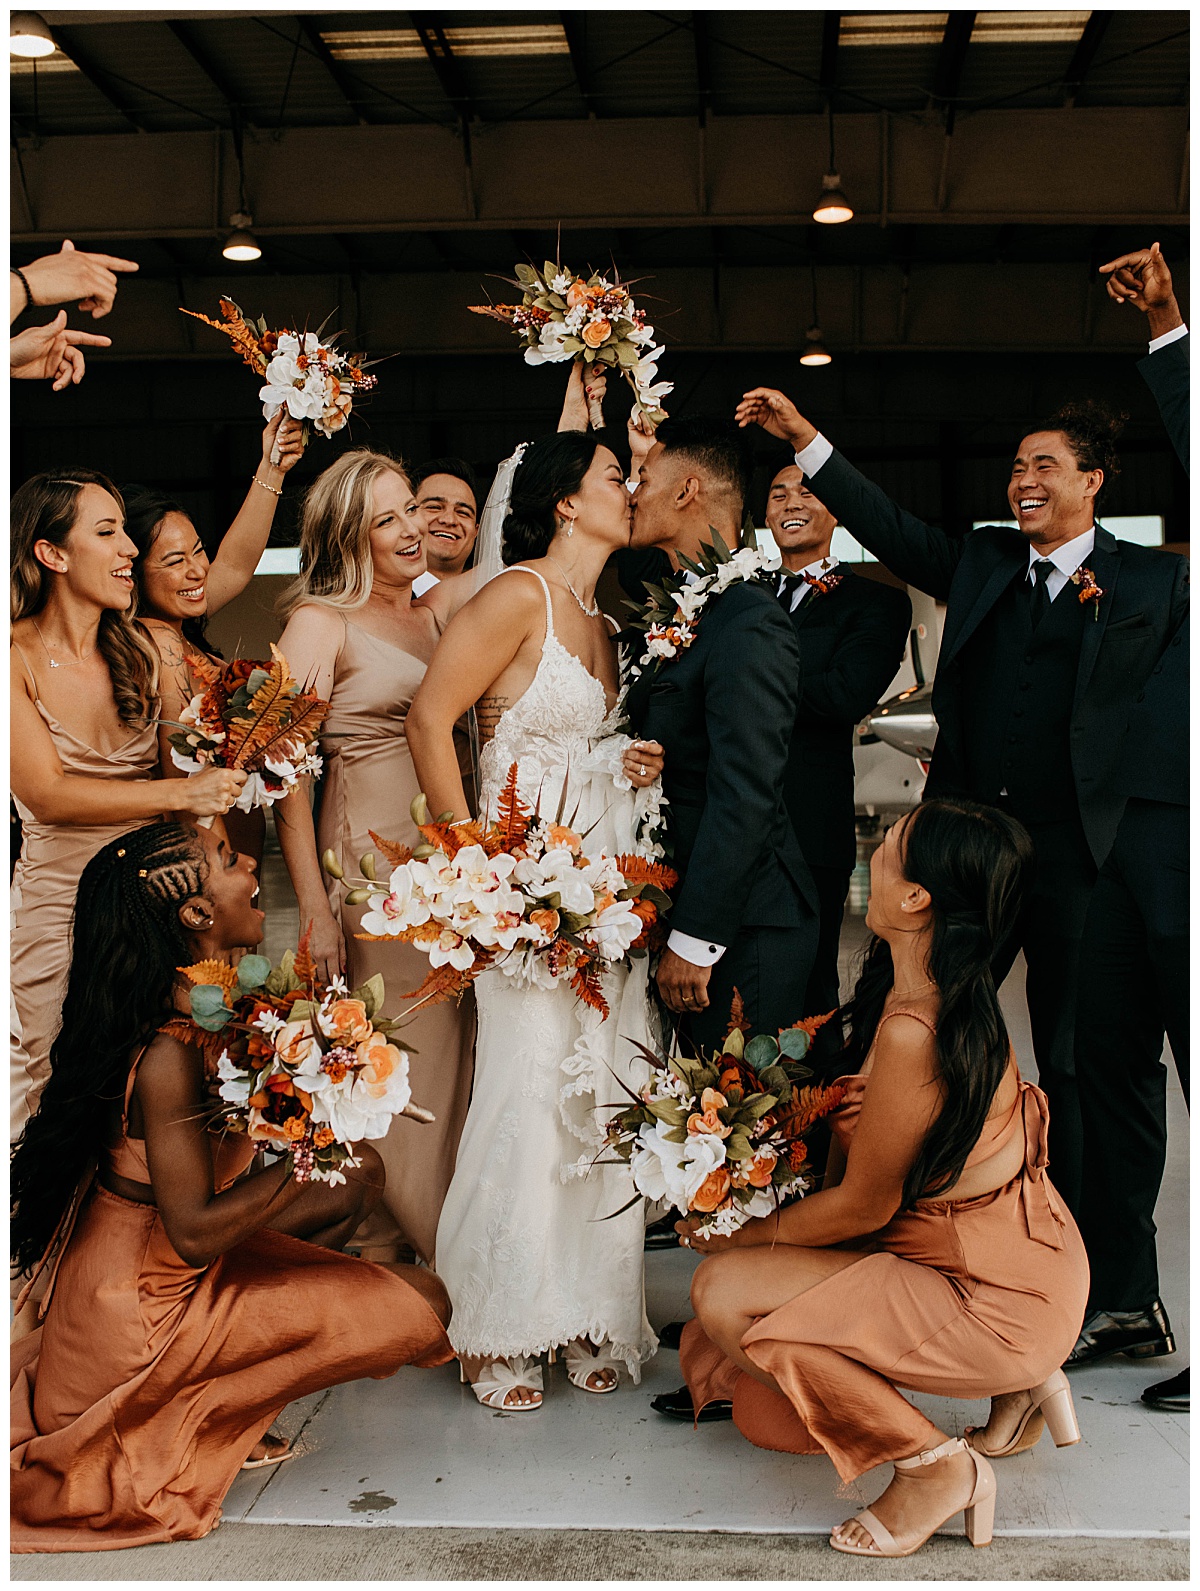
pixel 553 467
pixel 974 862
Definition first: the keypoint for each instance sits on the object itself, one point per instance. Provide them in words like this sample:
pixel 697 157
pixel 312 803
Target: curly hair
pixel 1091 429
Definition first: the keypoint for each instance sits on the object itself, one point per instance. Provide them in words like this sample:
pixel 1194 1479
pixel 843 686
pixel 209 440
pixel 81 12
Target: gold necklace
pixel 54 663
pixel 907 994
pixel 592 613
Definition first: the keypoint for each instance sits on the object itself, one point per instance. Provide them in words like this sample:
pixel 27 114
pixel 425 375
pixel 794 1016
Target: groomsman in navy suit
pixel 1051 632
pixel 851 632
pixel 1134 987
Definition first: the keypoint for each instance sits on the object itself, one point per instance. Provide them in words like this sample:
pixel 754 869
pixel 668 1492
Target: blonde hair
pixel 45 508
pixel 335 533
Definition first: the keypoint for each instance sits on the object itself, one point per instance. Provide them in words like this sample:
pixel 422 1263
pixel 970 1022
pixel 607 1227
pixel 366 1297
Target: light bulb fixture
pixel 240 244
pixel 833 206
pixel 815 351
pixel 29 36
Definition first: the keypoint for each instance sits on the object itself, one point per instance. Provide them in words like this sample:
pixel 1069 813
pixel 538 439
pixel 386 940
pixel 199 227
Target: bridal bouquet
pixel 252 716
pixel 308 377
pixel 305 1069
pixel 519 895
pixel 562 316
pixel 724 1138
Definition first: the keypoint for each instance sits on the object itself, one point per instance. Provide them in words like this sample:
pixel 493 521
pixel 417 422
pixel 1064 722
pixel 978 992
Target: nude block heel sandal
pixel 979 1511
pixel 1049 1405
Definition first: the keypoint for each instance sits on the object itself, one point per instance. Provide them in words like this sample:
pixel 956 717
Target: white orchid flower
pixel 401 908
pixel 235 1084
pixel 614 930
pixel 449 949
pixel 663 1170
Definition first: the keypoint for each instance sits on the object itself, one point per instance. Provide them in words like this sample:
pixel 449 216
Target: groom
pixel 723 708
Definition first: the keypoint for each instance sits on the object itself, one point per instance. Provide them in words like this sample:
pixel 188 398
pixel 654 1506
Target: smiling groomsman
pixel 851 632
pixel 1051 632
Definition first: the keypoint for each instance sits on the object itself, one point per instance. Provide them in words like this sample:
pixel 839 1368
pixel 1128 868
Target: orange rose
pixel 293 1042
pixel 712 1192
pixel 596 332
pixel 546 920
pixel 346 1022
pixel 565 839
pixel 710 1103
pixel 577 294
pixel 378 1059
pixel 761 1168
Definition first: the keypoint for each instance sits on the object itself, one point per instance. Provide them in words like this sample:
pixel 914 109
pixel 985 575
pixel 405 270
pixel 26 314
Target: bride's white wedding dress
pixel 522 1245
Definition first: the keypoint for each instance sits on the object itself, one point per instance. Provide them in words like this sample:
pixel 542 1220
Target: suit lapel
pixel 1105 564
pixel 989 594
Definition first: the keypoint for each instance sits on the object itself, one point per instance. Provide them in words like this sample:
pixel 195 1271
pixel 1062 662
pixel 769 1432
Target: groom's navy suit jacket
pixel 1144 601
pixel 723 711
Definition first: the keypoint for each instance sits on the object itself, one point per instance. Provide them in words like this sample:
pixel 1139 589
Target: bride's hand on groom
pixel 682 985
pixel 642 762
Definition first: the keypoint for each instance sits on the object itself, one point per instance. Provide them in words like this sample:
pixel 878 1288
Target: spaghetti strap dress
pixel 136 1401
pixel 965 1298
pixel 369 783
pixel 42 903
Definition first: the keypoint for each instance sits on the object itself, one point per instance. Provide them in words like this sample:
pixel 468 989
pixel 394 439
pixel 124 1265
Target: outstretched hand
pixel 75 275
pixel 1143 280
pixel 777 415
pixel 52 353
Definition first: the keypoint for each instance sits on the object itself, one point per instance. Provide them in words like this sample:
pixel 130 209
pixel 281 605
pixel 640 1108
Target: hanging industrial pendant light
pixel 815 351
pixel 833 206
pixel 240 245
pixel 29 36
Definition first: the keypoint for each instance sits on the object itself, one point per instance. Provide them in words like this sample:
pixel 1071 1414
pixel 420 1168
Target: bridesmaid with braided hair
pixel 192 1294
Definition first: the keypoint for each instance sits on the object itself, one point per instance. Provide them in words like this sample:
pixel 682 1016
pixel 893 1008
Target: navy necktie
pixel 1039 602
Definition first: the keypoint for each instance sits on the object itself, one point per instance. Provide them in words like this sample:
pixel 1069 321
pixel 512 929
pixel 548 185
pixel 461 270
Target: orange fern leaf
pixel 737 1015
pixel 211 1045
pixel 202 670
pixel 443 983
pixel 304 968
pixel 244 339
pixel 808 1106
pixel 393 851
pixel 810 1024
pixel 642 870
pixel 213 972
pixel 586 984
pixel 514 814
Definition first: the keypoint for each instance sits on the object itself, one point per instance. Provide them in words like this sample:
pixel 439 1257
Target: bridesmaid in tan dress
pixel 84 756
pixel 191 1296
pixel 937 1257
pixel 357 637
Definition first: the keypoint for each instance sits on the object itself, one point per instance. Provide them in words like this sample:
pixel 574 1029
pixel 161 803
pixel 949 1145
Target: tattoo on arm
pixel 489 710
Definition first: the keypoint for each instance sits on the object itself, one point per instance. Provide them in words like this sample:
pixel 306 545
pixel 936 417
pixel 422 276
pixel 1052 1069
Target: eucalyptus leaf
pixel 761 1052
pixel 257 679
pixel 795 1043
pixel 253 971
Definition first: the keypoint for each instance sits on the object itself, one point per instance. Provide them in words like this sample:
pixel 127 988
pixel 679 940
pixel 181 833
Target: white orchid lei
pixel 563 316
pixel 670 619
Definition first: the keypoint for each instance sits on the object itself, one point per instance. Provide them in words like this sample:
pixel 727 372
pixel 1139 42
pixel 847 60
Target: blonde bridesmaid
pixel 355 635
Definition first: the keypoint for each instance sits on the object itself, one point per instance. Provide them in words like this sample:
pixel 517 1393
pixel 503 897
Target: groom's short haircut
pixel 716 446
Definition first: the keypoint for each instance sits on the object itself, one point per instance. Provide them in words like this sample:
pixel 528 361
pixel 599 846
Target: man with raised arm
pixel 1051 631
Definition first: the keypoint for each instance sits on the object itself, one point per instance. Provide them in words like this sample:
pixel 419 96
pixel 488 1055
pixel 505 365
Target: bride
pixel 523 1245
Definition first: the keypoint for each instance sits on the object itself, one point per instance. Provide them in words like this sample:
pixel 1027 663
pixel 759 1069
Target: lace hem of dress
pixel 632 1355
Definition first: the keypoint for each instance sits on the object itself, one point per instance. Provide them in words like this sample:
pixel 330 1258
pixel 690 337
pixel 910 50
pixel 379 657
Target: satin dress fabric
pixel 136 1401
pixel 965 1298
pixel 369 783
pixel 42 903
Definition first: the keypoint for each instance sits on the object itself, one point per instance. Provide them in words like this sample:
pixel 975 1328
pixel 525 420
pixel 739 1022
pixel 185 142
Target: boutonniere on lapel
pixel 1090 589
pixel 668 622
pixel 823 584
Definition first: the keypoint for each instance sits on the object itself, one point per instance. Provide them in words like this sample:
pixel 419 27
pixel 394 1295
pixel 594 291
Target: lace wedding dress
pixel 523 1245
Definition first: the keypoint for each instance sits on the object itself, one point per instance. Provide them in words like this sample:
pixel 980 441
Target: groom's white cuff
pixel 700 952
pixel 819 451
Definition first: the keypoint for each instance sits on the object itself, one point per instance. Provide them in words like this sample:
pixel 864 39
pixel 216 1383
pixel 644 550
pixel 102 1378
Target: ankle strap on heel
pixel 932 1456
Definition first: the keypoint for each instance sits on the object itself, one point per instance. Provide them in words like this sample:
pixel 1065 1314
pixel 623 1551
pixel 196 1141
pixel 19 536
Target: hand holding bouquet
pixel 519 895
pixel 251 716
pixel 723 1138
pixel 307 376
pixel 304 1068
pixel 562 316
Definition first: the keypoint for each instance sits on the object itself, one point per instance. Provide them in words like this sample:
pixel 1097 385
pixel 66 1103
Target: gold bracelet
pixel 277 490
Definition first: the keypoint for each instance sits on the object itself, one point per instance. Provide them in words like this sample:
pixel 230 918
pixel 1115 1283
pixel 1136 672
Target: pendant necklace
pixel 592 613
pixel 54 663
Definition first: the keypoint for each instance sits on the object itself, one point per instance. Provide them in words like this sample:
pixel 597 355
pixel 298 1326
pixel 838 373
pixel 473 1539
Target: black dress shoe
pixel 678 1406
pixel 662 1234
pixel 1170 1397
pixel 669 1336
pixel 1140 1333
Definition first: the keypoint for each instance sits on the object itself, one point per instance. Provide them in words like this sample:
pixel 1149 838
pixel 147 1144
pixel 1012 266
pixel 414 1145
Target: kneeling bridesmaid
pixel 937 1257
pixel 192 1297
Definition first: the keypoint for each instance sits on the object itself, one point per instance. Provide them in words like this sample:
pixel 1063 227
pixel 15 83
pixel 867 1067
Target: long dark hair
pixel 553 467
pixel 45 508
pixel 127 945
pixel 145 510
pixel 974 862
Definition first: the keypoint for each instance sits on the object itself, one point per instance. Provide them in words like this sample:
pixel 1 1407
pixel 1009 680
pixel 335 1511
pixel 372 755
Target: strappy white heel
pixel 581 1364
pixel 502 1376
pixel 979 1511
pixel 1049 1405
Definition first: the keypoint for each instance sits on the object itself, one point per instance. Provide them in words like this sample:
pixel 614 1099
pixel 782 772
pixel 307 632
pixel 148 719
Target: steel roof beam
pixel 98 77
pixel 432 34
pixel 201 58
pixel 572 28
pixel 951 58
pixel 347 83
pixel 1085 53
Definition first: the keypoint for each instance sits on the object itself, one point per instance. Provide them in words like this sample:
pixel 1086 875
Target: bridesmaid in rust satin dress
pixel 367 655
pixel 938 1256
pixel 191 1297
